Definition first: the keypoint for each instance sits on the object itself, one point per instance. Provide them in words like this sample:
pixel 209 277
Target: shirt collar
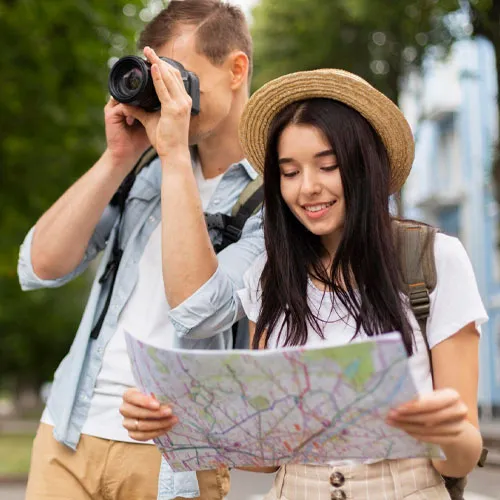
pixel 245 164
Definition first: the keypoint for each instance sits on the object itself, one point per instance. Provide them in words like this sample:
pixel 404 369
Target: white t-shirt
pixel 145 316
pixel 454 303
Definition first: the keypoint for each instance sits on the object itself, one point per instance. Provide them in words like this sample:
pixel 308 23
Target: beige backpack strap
pixel 415 249
pixel 230 227
pixel 147 157
pixel 250 198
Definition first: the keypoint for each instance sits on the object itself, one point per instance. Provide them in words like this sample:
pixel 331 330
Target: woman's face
pixel 310 182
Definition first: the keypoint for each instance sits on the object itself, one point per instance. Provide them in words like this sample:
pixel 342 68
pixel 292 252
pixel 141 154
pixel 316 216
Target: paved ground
pixel 484 484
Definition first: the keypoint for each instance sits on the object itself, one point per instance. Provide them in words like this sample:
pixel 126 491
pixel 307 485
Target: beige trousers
pixel 410 479
pixel 104 470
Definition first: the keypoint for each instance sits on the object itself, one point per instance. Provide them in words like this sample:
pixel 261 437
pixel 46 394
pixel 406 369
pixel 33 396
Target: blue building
pixel 452 108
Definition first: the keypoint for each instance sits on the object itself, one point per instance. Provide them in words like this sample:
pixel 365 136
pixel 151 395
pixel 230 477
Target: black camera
pixel 130 82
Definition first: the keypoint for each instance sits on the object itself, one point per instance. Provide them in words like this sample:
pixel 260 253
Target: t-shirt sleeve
pixel 456 301
pixel 250 295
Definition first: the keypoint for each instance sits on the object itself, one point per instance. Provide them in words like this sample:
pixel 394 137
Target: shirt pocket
pixel 140 198
pixel 142 190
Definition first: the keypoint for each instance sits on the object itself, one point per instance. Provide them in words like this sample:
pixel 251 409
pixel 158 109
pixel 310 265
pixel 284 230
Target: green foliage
pixel 15 451
pixel 377 39
pixel 54 68
pixel 486 22
pixel 380 40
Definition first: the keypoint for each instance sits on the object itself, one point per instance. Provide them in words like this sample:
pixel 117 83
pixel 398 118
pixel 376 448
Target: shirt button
pixel 152 218
pixel 83 397
pixel 216 201
pixel 99 350
pixel 338 495
pixel 337 479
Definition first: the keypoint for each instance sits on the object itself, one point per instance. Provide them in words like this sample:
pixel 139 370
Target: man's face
pixel 216 95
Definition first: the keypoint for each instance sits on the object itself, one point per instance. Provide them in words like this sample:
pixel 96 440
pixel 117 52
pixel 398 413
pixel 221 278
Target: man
pixel 170 288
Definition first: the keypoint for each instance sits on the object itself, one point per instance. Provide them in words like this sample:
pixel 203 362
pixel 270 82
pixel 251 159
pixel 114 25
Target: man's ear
pixel 239 67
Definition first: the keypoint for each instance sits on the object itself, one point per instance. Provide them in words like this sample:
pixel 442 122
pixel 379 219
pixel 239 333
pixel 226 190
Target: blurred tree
pixel 293 35
pixel 377 39
pixel 485 17
pixel 53 76
pixel 380 40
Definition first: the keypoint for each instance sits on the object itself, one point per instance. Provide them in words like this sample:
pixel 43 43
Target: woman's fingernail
pixel 166 412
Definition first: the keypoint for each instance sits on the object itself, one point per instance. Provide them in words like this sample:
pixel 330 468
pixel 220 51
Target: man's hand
pixel 144 417
pixel 168 129
pixel 126 138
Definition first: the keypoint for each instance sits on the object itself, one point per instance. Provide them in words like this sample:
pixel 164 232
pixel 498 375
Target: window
pixel 449 220
pixel 448 155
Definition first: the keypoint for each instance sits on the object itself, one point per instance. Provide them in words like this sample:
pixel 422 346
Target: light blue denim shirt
pixel 203 321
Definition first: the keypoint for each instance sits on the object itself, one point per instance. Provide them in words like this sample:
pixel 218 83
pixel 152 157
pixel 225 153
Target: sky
pixel 246 5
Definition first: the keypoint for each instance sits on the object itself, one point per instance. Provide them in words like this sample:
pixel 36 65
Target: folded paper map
pixel 291 405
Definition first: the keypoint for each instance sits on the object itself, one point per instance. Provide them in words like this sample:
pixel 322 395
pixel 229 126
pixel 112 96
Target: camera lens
pixel 130 82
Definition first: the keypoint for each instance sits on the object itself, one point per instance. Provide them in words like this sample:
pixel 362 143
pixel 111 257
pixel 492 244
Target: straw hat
pixel 384 116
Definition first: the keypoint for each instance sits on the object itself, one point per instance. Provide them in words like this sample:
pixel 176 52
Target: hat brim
pixel 384 116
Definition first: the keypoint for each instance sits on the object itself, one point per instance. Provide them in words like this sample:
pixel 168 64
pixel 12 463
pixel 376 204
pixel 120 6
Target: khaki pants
pixel 409 479
pixel 104 470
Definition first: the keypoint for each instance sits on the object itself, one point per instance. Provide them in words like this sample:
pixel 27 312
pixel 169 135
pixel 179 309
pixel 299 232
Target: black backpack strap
pixel 250 199
pixel 231 226
pixel 119 199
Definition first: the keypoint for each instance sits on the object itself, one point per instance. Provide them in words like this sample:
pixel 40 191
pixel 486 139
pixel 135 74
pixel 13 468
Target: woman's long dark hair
pixel 364 275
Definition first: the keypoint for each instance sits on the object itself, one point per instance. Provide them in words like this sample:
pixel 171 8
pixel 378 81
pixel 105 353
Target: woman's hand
pixel 439 417
pixel 144 417
pixel 167 129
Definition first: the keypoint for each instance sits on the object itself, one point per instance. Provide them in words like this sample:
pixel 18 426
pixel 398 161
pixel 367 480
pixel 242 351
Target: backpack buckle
pixel 232 233
pixel 216 221
pixel 482 459
pixel 419 300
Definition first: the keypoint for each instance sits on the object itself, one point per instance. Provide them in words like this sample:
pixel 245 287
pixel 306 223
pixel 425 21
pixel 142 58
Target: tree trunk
pixel 393 82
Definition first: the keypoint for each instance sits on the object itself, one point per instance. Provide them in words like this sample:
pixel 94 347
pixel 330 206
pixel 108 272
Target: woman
pixel 332 149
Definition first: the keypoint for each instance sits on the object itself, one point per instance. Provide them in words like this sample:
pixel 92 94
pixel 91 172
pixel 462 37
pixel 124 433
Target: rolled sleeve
pixel 29 280
pixel 215 306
